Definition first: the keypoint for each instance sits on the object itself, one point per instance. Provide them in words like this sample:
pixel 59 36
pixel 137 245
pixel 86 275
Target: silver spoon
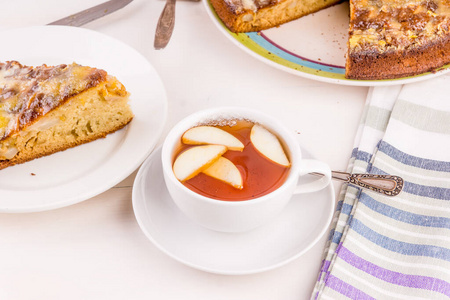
pixel 390 185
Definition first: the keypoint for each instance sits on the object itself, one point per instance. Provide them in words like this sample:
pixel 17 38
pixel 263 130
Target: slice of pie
pixel 256 15
pixel 47 109
pixel 387 38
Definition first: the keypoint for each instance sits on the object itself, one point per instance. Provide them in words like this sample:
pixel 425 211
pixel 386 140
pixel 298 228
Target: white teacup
pixel 239 216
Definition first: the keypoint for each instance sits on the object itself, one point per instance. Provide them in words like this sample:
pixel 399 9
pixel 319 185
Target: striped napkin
pixel 395 247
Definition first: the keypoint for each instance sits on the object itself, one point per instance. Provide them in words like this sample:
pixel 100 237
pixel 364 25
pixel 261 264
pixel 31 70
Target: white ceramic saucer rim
pixel 135 198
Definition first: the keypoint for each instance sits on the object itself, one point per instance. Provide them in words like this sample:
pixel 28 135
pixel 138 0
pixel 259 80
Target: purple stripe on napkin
pixel 414 281
pixel 346 289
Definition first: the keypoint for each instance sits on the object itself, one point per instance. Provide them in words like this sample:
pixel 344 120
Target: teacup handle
pixel 313 166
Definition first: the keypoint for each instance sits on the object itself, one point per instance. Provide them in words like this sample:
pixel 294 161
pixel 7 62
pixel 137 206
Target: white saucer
pixel 295 231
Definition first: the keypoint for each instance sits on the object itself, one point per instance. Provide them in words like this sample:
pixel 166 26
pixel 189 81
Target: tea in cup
pixel 233 169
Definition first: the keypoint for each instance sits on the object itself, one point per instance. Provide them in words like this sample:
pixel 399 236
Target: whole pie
pixel 387 38
pixel 47 109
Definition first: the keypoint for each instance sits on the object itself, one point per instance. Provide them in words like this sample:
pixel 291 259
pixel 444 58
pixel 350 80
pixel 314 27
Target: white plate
pixel 82 172
pixel 313 47
pixel 291 234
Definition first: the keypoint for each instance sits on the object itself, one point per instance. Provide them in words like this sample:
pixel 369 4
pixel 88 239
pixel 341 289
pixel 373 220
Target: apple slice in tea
pixel 268 145
pixel 196 159
pixel 224 170
pixel 211 135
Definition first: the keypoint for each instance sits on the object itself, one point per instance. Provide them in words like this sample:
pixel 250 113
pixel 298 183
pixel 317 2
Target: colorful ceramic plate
pixel 313 47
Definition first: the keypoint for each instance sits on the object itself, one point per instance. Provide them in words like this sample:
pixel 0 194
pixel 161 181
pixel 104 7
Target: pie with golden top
pixel 47 109
pixel 387 38
pixel 397 38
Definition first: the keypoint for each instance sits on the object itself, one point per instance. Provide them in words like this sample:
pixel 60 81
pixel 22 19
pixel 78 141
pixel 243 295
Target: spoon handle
pixel 390 185
pixel 165 25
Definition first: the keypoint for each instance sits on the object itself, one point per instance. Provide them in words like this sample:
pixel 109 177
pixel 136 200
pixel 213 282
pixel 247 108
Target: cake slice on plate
pixel 256 15
pixel 47 109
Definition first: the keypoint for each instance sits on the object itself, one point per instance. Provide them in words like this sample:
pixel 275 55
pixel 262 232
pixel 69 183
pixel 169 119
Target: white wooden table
pixel 95 249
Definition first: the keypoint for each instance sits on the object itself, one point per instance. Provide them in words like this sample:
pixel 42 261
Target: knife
pixel 165 25
pixel 92 13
